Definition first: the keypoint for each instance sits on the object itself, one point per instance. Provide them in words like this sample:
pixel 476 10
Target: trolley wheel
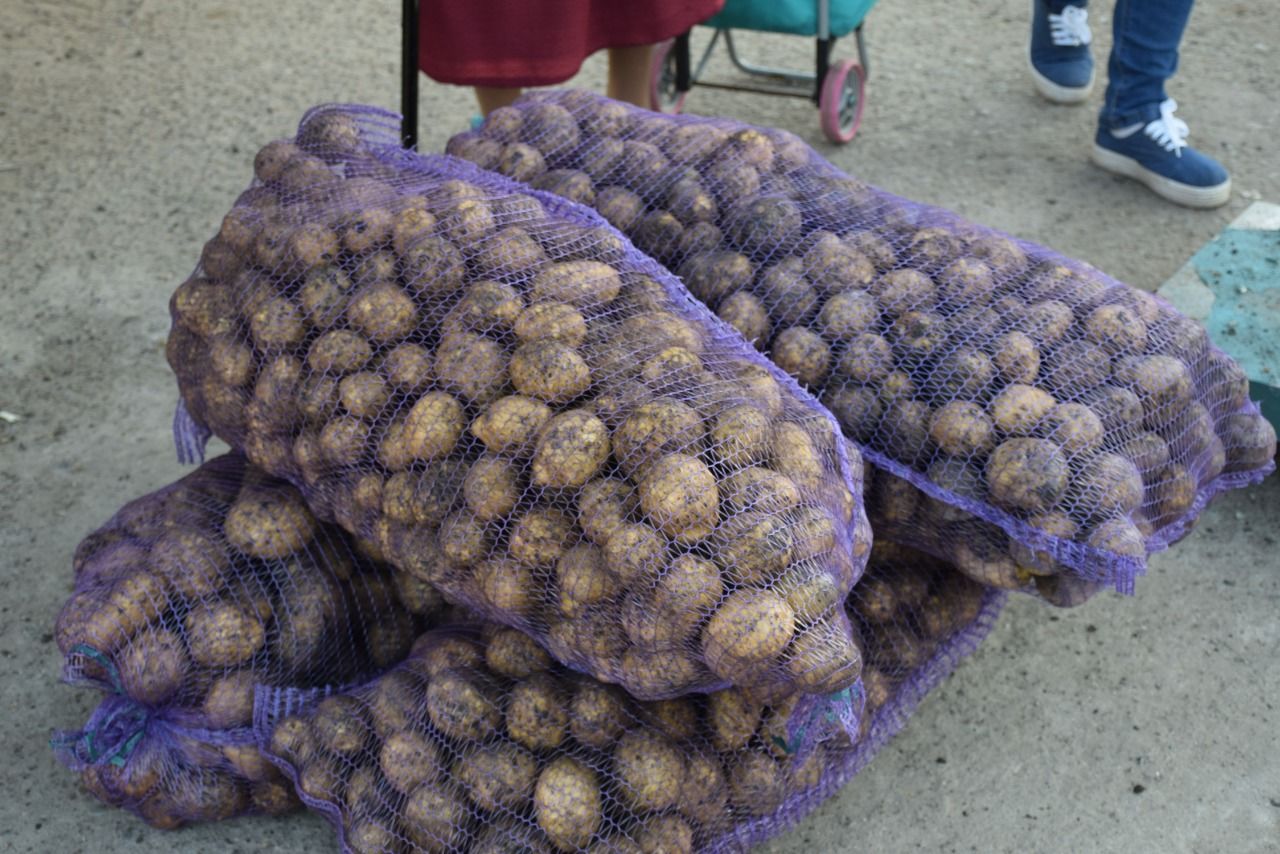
pixel 662 80
pixel 841 100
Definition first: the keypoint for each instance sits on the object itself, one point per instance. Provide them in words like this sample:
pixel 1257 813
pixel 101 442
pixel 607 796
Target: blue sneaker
pixel 1061 64
pixel 1156 153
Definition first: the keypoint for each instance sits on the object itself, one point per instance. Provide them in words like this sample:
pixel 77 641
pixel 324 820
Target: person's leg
pixel 1144 54
pixel 629 74
pixel 1060 59
pixel 1138 135
pixel 491 98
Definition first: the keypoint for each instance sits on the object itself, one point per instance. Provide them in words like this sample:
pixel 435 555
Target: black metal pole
pixel 409 74
pixel 683 73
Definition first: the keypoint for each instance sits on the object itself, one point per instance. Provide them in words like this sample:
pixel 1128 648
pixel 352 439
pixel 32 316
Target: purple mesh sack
pixel 185 601
pixel 497 393
pixel 1032 418
pixel 479 742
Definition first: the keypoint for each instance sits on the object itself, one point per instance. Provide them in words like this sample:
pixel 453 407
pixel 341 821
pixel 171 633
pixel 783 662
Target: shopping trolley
pixel 838 89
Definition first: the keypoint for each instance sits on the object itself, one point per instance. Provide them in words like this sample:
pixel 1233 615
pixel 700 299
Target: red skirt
pixel 510 43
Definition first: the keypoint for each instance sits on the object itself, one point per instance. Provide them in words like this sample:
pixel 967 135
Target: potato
pixel 537 714
pixel 551 321
pixel 731 180
pixel 436 817
pixel 598 714
pixel 634 550
pixel 803 354
pixel 678 494
pixel 471 366
pixel 1174 490
pixel 1117 328
pixel 571 449
pixel 339 351
pixel 407 367
pixel 269 162
pixel 753 546
pixel 1159 381
pixel 833 265
pixel 582 284
pixel 1047 321
pixel 756 488
pixel 760 223
pixel 376 267
pixel 732 719
pixel 273 797
pixel 1075 367
pixel 278 324
pixel 320 778
pixel 604 505
pixel 648 768
pixel 408 759
pixel 745 312
pixel 582 579
pixel 665 834
pixel 746 634
pixel 567 803
pixel 848 313
pixel 540 536
pixel 962 429
pixel 1119 537
pixel 229 701
pixel 363 394
pixel 443 653
pixel 1016 357
pixel 1019 409
pixel 464 539
pixel 655 429
pixel 510 425
pixel 1250 441
pixel 507 586
pixel 907 289
pixel 866 358
pixel 487 308
pixel 1107 485
pixel 654 674
pixel 223 633
pixel 191 562
pixel 512 653
pixel 394 703
pixel 964 374
pixel 430 430
pixel 549 371
pixel 823 658
pixel 423 497
pixel 621 207
pixel 342 441
pixel 153 666
pixel 1027 474
pixel 462 706
pixel 340 726
pixel 757 783
pixel 498 777
pixel 491 488
pixel 712 276
pixel 1074 427
pixel 371 834
pixel 383 313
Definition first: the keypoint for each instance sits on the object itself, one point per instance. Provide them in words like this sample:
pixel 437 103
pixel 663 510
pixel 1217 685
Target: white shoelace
pixel 1168 131
pixel 1071 28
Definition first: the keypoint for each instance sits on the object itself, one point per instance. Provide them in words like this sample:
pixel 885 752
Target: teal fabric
pixel 797 17
pixel 1242 268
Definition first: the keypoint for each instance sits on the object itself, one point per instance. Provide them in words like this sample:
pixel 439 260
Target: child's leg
pixel 491 98
pixel 629 74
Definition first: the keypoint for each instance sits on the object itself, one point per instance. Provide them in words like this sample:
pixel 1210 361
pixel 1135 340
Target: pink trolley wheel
pixel 662 80
pixel 841 100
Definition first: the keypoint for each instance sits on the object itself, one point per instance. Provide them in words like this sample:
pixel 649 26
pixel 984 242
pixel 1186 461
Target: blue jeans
pixel 1144 54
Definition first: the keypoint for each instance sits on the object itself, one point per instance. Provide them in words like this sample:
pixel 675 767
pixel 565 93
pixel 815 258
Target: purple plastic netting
pixel 491 388
pixel 479 742
pixel 1032 419
pixel 185 601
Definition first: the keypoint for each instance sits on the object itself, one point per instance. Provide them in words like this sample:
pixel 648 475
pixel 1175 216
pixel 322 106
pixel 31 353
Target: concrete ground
pixel 126 129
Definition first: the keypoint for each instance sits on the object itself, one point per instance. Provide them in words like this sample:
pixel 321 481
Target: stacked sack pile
pixel 548 521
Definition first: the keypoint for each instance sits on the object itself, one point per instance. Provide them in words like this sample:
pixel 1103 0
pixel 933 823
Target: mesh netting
pixel 188 598
pixel 1033 419
pixel 498 394
pixel 479 742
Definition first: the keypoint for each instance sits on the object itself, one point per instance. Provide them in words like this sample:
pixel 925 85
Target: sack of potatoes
pixel 1074 423
pixel 496 393
pixel 480 742
pixel 184 602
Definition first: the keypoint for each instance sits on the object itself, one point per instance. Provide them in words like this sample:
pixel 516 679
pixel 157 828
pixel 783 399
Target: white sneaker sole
pixel 1051 91
pixel 1183 194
